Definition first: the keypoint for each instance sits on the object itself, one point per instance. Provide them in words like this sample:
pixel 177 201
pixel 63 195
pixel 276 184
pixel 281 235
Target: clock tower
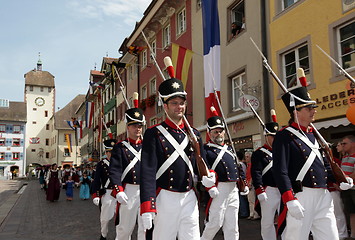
pixel 40 102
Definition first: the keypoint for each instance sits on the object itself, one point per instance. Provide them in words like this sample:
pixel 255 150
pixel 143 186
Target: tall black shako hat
pixel 172 87
pixel 215 121
pixel 135 115
pixel 109 143
pixel 271 128
pixel 298 97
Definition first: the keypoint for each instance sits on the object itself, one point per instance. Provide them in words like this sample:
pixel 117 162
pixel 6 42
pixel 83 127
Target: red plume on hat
pixel 169 66
pixel 302 77
pixel 213 111
pixel 135 99
pixel 273 115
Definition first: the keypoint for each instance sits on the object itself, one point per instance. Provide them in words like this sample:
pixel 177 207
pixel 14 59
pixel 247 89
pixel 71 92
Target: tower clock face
pixel 39 101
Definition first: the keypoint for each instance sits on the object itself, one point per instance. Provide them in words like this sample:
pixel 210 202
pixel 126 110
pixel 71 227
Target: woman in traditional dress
pixel 85 182
pixel 54 183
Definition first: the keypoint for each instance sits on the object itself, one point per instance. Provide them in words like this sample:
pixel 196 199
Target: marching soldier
pixel 124 175
pixel 168 170
pixel 101 189
pixel 263 180
pixel 224 202
pixel 301 173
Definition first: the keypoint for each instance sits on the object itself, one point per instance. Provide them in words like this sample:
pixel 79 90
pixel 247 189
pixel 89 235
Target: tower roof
pixel 39 78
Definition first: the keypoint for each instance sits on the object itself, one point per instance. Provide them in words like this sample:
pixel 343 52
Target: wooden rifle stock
pixel 201 165
pixel 337 171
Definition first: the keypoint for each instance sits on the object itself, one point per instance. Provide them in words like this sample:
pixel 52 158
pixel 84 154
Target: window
pixel 47 126
pixel 33 150
pixel 237 16
pixel 2 141
pixel 198 4
pixel 237 83
pixel 153 86
pixel 166 36
pixel 47 154
pixel 34 109
pixel 144 92
pixel 47 141
pixel 66 152
pixel 291 60
pixel 346 41
pixel 130 72
pixel 2 155
pixel 181 22
pixel 153 121
pixel 41 89
pixel 2 127
pixel 49 89
pixel 287 3
pixel 154 49
pixel 31 88
pixel 144 58
pixel 15 155
pixel 16 142
pixel 34 122
pixel 17 128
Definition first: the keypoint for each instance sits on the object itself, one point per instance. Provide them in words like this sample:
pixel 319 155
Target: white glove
pixel 213 192
pixel 262 197
pixel 209 181
pixel 147 220
pixel 348 185
pixel 122 198
pixel 245 192
pixel 295 209
pixel 96 201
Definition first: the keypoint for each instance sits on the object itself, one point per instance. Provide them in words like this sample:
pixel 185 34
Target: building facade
pixel 12 138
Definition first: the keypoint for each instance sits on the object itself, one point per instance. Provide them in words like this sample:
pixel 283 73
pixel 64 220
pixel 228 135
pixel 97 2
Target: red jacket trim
pixel 148 206
pixel 288 196
pixel 259 190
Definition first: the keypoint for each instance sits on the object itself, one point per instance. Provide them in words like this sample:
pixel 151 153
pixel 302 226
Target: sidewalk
pixel 9 194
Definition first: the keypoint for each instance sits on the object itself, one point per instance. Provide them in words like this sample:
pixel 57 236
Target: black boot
pixel 102 238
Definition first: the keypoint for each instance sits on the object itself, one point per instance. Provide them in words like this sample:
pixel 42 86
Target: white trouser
pixel 128 215
pixel 339 214
pixel 268 210
pixel 318 218
pixel 108 208
pixel 177 216
pixel 223 213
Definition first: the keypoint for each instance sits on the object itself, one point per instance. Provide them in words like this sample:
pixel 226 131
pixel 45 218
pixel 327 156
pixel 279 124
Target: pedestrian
pixel 267 193
pixel 224 203
pixel 66 173
pixel 69 188
pixel 253 214
pixel 168 168
pixel 124 175
pixel 348 166
pixel 302 172
pixel 101 189
pixel 85 182
pixel 243 199
pixel 53 181
pixel 41 174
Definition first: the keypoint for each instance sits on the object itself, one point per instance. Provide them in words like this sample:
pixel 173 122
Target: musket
pixel 342 70
pixel 337 171
pixel 122 87
pixel 201 164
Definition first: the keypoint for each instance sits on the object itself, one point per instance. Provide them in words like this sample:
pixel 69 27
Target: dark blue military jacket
pixel 290 154
pixel 101 177
pixel 227 168
pixel 156 150
pixel 259 160
pixel 120 159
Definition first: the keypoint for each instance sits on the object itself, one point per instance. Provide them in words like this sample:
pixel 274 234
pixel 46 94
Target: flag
pixel 79 130
pixel 89 115
pixel 181 59
pixel 98 85
pixel 211 54
pixel 68 139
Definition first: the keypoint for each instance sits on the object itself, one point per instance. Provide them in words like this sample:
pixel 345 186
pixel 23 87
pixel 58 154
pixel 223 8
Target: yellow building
pixel 296 27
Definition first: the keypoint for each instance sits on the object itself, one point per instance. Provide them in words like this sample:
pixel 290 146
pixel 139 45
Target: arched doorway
pixel 15 171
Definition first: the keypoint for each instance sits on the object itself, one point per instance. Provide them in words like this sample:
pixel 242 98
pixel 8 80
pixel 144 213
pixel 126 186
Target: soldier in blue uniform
pixel 124 175
pixel 101 189
pixel 263 180
pixel 168 170
pixel 301 173
pixel 224 202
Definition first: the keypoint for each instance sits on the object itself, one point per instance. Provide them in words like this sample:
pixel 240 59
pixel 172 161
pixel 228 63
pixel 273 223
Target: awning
pixel 332 123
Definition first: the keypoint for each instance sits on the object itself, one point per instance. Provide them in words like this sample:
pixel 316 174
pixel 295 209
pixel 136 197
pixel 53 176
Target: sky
pixel 71 36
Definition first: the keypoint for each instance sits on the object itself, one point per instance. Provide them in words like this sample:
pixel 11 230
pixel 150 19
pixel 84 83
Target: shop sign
pixel 243 104
pixel 335 100
pixel 7 163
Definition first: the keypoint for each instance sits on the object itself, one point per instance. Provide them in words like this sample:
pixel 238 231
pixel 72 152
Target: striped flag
pixel 181 59
pixel 89 114
pixel 211 54
pixel 68 140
